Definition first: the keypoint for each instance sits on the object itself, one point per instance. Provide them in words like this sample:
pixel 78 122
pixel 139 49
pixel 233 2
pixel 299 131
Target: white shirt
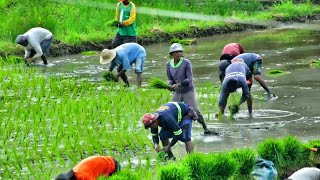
pixel 35 36
pixel 307 173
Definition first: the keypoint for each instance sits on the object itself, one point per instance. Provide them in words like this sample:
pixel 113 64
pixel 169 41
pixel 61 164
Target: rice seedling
pixel 89 53
pixel 174 171
pixel 246 159
pixel 275 73
pixel 158 83
pixel 315 63
pixel 184 41
pixel 272 150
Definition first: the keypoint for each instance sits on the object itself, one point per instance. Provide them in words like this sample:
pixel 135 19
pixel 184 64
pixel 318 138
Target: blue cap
pixel 20 39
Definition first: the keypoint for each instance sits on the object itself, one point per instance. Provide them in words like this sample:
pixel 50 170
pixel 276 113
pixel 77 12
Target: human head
pixel 148 119
pixel 232 85
pixel 222 67
pixel 107 55
pixel 226 57
pixel 22 40
pixel 175 47
pixel 66 176
pixel 117 166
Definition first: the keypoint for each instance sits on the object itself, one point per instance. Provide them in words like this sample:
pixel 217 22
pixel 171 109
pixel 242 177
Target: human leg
pixel 128 39
pixel 117 40
pixel 124 76
pixel 139 69
pixel 189 98
pixel 45 45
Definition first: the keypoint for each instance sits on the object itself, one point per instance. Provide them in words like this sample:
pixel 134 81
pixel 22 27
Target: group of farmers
pixel 236 70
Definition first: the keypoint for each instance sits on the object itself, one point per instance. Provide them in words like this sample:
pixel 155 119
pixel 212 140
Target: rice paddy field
pixel 49 123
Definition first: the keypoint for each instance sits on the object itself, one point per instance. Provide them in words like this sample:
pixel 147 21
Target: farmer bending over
pixel 180 77
pixel 92 168
pixel 230 51
pixel 124 56
pixel 37 42
pixel 236 76
pixel 174 118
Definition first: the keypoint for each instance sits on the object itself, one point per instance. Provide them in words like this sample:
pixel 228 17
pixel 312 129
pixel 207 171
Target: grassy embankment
pixel 75 22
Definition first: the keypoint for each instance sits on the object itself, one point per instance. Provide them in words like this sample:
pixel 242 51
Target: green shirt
pixel 126 15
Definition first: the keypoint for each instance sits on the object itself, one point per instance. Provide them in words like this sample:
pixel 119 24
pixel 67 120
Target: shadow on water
pixel 295 111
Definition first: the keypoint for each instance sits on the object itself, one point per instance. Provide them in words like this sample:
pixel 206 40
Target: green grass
pixel 64 20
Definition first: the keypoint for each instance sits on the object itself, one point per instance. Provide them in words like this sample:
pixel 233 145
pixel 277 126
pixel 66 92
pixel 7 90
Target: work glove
pixel 234 109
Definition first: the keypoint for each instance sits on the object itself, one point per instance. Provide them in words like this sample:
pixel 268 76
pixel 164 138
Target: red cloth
pixel 93 167
pixel 233 49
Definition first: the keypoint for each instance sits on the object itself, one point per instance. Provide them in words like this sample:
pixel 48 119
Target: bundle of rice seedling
pixel 184 41
pixel 234 109
pixel 108 76
pixel 113 22
pixel 158 83
pixel 315 63
pixel 275 73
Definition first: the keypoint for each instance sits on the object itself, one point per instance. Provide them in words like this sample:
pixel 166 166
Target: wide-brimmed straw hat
pixel 107 55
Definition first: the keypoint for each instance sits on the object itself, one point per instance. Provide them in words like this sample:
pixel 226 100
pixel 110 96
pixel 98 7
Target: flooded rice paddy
pixel 295 111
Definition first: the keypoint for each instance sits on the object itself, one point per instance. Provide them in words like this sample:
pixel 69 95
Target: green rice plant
pixel 223 166
pixel 294 149
pixel 112 22
pixel 108 76
pixel 246 159
pixel 158 83
pixel 161 156
pixel 196 163
pixel 212 166
pixel 173 171
pixel 89 53
pixel 275 73
pixel 315 63
pixel 184 41
pixel 272 150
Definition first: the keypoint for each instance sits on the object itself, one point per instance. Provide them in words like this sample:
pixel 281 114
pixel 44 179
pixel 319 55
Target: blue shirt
pixel 127 54
pixel 249 58
pixel 168 118
pixel 238 71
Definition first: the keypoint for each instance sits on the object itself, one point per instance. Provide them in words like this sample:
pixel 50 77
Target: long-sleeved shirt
pixel 169 119
pixel 249 58
pixel 34 37
pixel 126 55
pixel 126 15
pixel 93 167
pixel 181 74
pixel 240 72
pixel 233 49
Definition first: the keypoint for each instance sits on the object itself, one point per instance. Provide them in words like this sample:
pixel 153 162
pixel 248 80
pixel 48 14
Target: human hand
pixel 157 147
pixel 176 86
pixel 120 25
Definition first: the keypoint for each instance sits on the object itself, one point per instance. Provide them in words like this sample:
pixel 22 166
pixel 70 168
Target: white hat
pixel 107 55
pixel 175 47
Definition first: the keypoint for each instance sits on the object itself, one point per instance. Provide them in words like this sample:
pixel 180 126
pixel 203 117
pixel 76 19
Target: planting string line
pixel 194 16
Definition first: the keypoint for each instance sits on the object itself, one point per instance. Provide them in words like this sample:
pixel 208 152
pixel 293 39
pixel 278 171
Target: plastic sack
pixel 264 170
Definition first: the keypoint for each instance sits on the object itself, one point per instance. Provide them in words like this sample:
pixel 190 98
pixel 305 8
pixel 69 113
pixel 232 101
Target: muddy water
pixel 295 111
